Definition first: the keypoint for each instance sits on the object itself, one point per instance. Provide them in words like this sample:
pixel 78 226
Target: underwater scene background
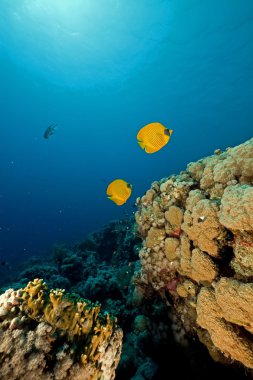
pixel 101 70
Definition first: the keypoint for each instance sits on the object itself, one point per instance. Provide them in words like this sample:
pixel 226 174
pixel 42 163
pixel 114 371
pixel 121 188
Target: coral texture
pixel 197 230
pixel 100 268
pixel 55 335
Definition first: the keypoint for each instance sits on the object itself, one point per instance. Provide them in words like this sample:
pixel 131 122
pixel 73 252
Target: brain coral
pixel 53 335
pixel 197 230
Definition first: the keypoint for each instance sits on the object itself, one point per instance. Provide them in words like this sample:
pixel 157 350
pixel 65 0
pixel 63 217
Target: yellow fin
pixel 141 144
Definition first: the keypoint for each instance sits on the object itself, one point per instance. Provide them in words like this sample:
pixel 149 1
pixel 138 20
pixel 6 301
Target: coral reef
pixel 54 335
pixel 105 267
pixel 197 253
pixel 100 268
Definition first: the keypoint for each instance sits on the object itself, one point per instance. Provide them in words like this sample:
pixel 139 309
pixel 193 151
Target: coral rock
pixel 225 336
pixel 155 236
pixel 236 302
pixel 171 245
pixel 203 268
pixel 236 211
pixel 55 335
pixel 206 243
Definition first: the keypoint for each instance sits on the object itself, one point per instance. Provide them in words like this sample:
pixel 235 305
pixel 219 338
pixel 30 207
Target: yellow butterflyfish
pixel 152 137
pixel 119 191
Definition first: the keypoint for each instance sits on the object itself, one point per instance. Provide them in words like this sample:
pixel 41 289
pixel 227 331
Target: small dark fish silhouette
pixel 6 265
pixel 49 131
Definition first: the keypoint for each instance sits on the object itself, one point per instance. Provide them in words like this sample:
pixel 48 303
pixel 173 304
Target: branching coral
pixel 54 335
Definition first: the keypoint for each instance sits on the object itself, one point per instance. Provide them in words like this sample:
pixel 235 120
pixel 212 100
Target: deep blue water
pixel 102 69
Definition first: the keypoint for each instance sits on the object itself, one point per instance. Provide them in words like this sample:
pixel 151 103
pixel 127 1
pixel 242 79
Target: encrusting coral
pixel 54 335
pixel 197 230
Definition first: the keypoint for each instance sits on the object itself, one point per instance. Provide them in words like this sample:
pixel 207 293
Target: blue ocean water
pixel 101 70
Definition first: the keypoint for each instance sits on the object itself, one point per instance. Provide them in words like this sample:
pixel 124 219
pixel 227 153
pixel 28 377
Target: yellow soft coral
pixel 70 315
pixel 51 334
pixel 33 297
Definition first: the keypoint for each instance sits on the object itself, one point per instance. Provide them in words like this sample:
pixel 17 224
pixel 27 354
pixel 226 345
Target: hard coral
pixel 55 335
pixel 207 265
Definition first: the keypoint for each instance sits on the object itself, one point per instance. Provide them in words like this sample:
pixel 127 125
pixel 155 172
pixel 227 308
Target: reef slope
pixel 197 230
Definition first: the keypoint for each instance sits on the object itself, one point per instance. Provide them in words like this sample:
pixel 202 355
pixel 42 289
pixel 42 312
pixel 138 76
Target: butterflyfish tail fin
pixel 141 144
